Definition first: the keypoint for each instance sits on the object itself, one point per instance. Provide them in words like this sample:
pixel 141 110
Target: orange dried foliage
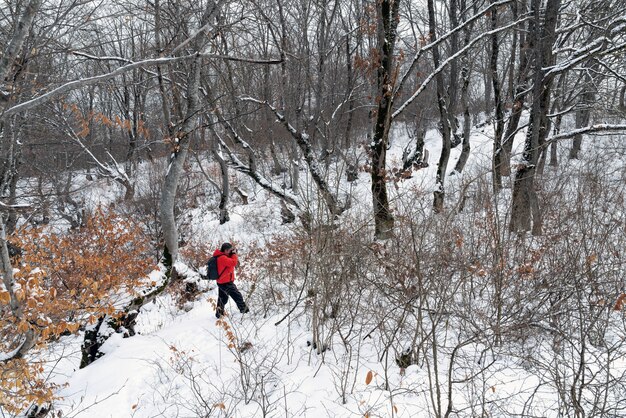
pixel 85 120
pixel 21 385
pixel 64 281
pixel 196 255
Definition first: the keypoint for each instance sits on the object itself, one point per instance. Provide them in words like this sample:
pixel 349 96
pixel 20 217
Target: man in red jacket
pixel 226 262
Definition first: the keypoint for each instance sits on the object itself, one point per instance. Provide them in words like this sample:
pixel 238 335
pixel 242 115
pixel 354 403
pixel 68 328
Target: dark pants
pixel 226 290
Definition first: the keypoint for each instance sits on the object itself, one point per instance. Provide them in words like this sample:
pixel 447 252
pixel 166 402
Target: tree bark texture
pixel 177 162
pixel 14 46
pixel 525 211
pixel 583 114
pixel 387 14
pixel 465 82
pixel 499 112
pixel 225 191
pixel 444 118
pixel 526 45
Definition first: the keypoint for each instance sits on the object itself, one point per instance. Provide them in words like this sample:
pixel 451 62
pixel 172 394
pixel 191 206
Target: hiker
pixel 226 262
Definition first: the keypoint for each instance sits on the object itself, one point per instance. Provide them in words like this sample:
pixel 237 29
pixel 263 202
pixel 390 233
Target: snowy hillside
pixel 185 363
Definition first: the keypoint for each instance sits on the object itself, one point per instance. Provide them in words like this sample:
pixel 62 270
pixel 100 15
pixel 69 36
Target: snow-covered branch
pixel 207 19
pixel 13 208
pixel 101 58
pixel 302 139
pixel 588 130
pixel 340 105
pixel 72 85
pixel 444 64
pixel 444 37
pixel 260 180
pixel 596 47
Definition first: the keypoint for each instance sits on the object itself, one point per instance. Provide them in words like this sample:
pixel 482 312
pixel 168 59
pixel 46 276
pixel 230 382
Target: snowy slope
pixel 185 363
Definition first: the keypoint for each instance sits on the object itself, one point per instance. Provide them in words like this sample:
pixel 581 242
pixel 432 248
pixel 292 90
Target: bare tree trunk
pixel 525 212
pixel 13 147
pixel 10 162
pixel 295 170
pixel 583 115
pixel 277 167
pixel 181 140
pixel 225 190
pixel 526 44
pixel 453 86
pixel 175 168
pixel 444 116
pixel 510 94
pixel 12 216
pixel 349 85
pixel 497 96
pixel 157 40
pixel 387 12
pixel 17 41
pixel 26 341
pixel 318 89
pixel 554 160
pixel 559 103
pixel 465 79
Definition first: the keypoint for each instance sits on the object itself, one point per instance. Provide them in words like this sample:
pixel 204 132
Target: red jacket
pixel 225 266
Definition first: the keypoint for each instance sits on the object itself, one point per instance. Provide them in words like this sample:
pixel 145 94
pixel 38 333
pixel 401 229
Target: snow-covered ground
pixel 185 363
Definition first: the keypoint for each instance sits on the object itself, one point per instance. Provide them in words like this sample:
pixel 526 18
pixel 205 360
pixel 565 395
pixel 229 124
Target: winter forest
pixel 427 198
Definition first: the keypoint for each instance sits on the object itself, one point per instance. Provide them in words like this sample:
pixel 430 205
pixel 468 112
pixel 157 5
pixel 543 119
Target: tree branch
pixel 603 127
pixel 591 49
pixel 445 36
pixel 72 85
pixel 302 139
pixel 260 180
pixel 444 64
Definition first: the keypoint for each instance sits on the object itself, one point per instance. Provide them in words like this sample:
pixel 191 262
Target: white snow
pixel 182 362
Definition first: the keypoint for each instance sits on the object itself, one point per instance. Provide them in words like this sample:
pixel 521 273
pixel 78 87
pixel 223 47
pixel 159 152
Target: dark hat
pixel 226 246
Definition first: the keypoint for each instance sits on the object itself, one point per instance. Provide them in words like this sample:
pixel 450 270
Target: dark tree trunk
pixel 583 116
pixel 453 87
pixel 277 167
pixel 526 45
pixel 554 159
pixel 444 118
pixel 349 86
pixel 497 97
pixel 525 212
pixel 387 15
pixel 467 121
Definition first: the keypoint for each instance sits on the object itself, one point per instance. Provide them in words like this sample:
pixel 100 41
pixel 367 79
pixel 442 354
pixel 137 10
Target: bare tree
pixel 387 12
pixel 444 121
pixel 525 210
